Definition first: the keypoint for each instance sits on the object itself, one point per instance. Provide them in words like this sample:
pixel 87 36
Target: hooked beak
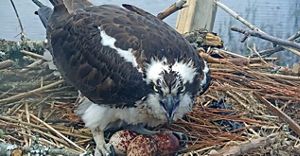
pixel 170 104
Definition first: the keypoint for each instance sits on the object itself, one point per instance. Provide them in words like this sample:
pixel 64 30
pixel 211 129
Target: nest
pixel 252 107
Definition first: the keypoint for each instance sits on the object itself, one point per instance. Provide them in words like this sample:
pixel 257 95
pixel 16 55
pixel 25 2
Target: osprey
pixel 131 67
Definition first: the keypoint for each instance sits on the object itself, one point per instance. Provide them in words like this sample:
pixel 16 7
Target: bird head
pixel 174 86
pixel 169 89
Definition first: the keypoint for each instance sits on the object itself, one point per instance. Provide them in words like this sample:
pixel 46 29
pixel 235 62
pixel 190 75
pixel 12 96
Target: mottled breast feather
pixel 98 71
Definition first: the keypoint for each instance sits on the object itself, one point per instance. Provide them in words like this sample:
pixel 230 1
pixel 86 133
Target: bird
pixel 130 67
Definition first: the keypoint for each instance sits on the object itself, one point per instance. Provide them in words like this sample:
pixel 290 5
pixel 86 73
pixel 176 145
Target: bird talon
pixel 111 150
pixel 182 137
pixel 105 150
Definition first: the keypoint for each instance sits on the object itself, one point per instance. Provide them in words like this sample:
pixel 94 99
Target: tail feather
pixel 44 12
pixel 56 2
pixel 62 8
pixel 38 3
pixel 73 5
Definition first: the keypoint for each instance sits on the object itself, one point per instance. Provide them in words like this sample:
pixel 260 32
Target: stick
pixel 33 126
pixel 280 76
pixel 247 146
pixel 248 24
pixel 9 149
pixel 268 59
pixel 32 65
pixel 270 38
pixel 235 61
pixel 269 52
pixel 293 125
pixel 230 53
pixel 236 16
pixel 173 8
pixel 259 56
pixel 57 132
pixel 25 94
pixel 20 23
pixel 34 55
pixel 295 36
pixel 6 64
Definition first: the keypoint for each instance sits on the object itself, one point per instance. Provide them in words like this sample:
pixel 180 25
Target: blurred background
pixel 276 17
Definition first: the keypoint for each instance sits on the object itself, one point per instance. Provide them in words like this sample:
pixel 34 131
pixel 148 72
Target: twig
pixel 6 64
pixel 25 138
pixel 9 149
pixel 270 38
pixel 57 139
pixel 173 8
pixel 25 94
pixel 269 52
pixel 20 23
pixel 195 153
pixel 236 15
pixel 272 51
pixel 268 59
pixel 33 126
pixel 293 125
pixel 34 55
pixel 230 53
pixel 248 24
pixel 32 65
pixel 235 61
pixel 247 146
pixel 295 36
pixel 57 132
pixel 259 56
pixel 28 120
pixel 280 76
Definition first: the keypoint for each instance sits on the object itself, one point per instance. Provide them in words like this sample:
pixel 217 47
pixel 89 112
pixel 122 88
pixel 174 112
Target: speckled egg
pixel 121 140
pixel 142 146
pixel 167 143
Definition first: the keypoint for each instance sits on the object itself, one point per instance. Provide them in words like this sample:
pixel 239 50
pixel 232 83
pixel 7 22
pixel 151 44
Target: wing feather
pixel 98 71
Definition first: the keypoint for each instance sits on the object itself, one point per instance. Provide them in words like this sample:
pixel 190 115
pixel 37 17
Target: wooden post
pixel 197 14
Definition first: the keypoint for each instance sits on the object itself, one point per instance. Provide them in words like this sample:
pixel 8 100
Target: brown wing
pixel 73 5
pixel 98 71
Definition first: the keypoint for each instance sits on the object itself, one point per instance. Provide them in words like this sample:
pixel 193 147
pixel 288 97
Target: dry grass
pixel 37 108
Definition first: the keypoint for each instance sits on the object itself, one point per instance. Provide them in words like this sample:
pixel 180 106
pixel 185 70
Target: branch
pixel 25 94
pixel 270 38
pixel 236 16
pixel 6 64
pixel 295 36
pixel 32 65
pixel 269 52
pixel 243 148
pixel 235 61
pixel 20 23
pixel 248 24
pixel 32 54
pixel 57 132
pixel 232 54
pixel 173 8
pixel 8 150
pixel 292 124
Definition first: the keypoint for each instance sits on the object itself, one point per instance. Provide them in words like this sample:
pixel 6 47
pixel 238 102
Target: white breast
pixel 95 115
